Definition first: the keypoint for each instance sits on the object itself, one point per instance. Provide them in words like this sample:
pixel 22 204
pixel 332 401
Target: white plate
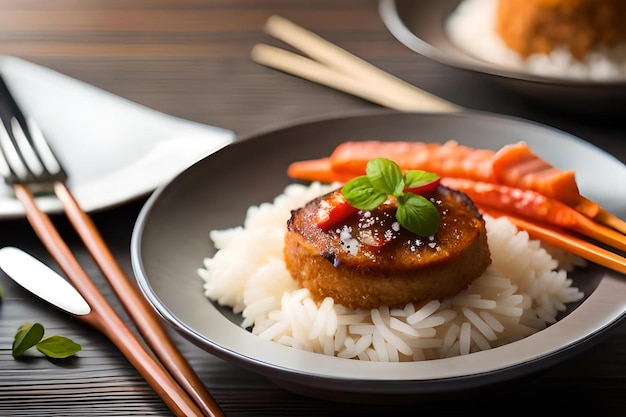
pixel 114 150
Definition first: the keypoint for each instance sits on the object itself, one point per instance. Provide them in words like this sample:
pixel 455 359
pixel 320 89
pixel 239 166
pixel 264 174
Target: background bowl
pixel 420 25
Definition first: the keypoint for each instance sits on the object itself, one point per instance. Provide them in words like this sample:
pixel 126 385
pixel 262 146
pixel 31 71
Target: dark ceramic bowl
pixel 171 238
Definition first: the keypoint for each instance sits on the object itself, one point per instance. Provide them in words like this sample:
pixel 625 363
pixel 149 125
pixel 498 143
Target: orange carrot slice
pixel 313 170
pixel 448 159
pixel 353 156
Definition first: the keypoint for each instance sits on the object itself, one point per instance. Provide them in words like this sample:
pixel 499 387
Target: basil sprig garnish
pixel 384 178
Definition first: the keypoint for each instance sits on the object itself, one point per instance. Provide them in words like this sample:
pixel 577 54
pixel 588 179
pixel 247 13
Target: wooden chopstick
pixel 611 220
pixel 138 308
pixel 330 61
pixel 103 316
pixel 565 241
pixel 308 69
pixel 609 236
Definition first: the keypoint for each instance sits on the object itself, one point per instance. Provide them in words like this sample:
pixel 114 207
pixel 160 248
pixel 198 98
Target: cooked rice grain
pixel 521 293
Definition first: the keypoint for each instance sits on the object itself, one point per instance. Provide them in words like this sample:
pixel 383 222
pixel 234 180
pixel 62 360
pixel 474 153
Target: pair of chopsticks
pixel 185 381
pixel 337 68
pixel 334 67
pixel 171 377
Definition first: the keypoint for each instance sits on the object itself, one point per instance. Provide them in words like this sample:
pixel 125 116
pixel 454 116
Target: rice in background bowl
pixel 472 28
pixel 521 293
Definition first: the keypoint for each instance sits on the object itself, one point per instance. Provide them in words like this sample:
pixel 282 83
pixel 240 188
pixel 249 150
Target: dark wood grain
pixel 190 58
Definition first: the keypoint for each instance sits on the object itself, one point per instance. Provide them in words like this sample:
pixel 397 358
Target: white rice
pixel 472 28
pixel 521 293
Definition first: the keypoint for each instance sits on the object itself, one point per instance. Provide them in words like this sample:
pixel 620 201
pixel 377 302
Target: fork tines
pixel 27 158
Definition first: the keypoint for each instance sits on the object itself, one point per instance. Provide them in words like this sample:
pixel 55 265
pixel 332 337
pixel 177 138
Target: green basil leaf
pixel 418 215
pixel 27 336
pixel 416 178
pixel 58 346
pixel 385 176
pixel 359 193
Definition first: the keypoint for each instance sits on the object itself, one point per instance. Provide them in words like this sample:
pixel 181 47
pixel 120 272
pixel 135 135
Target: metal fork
pixel 28 164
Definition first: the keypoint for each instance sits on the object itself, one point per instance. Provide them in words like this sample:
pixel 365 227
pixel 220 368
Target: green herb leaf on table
pixel 32 335
pixel 27 336
pixel 384 178
pixel 57 346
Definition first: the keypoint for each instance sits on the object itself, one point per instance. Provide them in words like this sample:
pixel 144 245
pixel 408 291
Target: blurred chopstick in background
pixel 337 68
pixel 328 64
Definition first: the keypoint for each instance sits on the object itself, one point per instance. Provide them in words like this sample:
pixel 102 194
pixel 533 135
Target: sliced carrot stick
pixel 353 156
pixel 448 159
pixel 349 159
pixel 315 170
pixel 533 205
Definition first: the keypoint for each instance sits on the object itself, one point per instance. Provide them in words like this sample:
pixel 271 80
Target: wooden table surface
pixel 191 58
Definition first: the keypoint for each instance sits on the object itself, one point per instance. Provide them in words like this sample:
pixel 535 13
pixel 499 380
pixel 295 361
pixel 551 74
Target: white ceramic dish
pixel 114 150
pixel 171 238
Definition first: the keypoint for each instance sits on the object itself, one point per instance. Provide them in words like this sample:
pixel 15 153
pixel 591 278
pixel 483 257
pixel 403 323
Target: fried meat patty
pixel 342 263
